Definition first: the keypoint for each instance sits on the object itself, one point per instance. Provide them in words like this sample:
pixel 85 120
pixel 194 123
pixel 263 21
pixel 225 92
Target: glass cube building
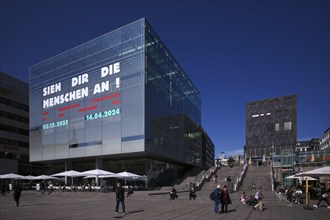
pixel 120 101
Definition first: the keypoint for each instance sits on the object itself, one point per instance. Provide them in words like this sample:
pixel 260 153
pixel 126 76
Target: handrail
pixel 205 176
pixel 240 178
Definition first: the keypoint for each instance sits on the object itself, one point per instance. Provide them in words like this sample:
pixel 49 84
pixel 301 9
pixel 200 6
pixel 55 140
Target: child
pixel 243 198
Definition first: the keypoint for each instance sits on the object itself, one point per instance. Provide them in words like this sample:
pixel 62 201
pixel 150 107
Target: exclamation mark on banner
pixel 117 82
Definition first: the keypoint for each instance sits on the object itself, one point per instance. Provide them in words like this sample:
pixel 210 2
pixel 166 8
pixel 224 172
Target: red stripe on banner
pixel 87 108
pixel 115 102
pixel 68 107
pixel 60 115
pixel 114 95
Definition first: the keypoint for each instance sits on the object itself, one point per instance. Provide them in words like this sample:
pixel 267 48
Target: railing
pixel 205 176
pixel 272 178
pixel 240 178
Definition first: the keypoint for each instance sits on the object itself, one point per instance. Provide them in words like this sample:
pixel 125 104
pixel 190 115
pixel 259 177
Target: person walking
pixel 120 198
pixel 17 192
pixel 323 196
pixel 259 197
pixel 216 193
pixel 225 199
pixel 192 193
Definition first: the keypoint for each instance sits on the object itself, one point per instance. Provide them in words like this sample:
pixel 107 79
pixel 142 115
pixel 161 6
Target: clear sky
pixel 234 51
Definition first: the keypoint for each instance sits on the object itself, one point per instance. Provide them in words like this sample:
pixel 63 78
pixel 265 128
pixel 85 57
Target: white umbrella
pixel 96 173
pixel 323 171
pixel 44 177
pixel 29 177
pixel 70 173
pixel 91 177
pixel 11 176
pixel 300 177
pixel 127 175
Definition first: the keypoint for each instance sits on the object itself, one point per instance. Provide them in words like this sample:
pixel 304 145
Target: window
pixel 287 126
pixel 277 126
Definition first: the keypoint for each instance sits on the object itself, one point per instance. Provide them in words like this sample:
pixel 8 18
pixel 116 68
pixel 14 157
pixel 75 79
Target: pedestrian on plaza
pixel 17 192
pixel 192 193
pixel 173 194
pixel 3 188
pixel 215 178
pixel 323 196
pixel 120 197
pixel 42 187
pixel 216 193
pixel 225 199
pixel 259 197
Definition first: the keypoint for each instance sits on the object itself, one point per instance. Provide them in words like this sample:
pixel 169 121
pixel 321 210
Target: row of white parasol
pixel 95 173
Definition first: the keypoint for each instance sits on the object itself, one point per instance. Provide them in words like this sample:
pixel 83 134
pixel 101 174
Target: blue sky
pixel 234 51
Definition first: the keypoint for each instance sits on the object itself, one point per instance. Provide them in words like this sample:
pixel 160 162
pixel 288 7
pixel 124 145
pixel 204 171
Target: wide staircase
pixel 183 183
pixel 222 174
pixel 260 176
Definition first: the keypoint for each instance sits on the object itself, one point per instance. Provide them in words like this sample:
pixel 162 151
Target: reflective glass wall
pixel 88 101
pixel 173 106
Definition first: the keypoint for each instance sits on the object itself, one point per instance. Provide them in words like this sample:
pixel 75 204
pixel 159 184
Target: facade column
pixel 68 166
pixel 98 165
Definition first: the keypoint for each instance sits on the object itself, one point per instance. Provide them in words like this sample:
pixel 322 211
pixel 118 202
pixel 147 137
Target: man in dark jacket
pixel 225 199
pixel 217 199
pixel 17 192
pixel 120 197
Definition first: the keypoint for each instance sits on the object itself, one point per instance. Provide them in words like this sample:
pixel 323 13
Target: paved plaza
pixel 142 205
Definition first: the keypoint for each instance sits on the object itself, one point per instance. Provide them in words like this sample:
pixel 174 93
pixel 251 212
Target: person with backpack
pixel 216 198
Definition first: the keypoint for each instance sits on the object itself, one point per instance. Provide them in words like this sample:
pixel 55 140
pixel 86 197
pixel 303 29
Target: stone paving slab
pixel 97 206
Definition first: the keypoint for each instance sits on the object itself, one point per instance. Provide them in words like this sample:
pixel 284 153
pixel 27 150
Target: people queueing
pixel 323 196
pixel 17 192
pixel 216 193
pixel 120 198
pixel 173 194
pixel 225 199
pixel 259 197
pixel 192 193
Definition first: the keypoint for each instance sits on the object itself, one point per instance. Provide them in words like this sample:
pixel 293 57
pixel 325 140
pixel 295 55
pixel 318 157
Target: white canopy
pixel 300 177
pixel 29 177
pixel 70 173
pixel 11 176
pixel 96 172
pixel 45 177
pixel 323 171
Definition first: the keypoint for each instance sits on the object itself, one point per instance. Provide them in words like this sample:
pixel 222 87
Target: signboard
pixel 56 102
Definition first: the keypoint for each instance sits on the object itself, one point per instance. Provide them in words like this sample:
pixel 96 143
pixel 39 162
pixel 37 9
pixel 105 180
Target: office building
pixel 14 126
pixel 118 102
pixel 325 140
pixel 271 126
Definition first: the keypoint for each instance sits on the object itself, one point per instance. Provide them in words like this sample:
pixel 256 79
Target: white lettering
pixel 78 80
pixel 51 89
pixel 112 69
pixel 67 97
pixel 101 88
